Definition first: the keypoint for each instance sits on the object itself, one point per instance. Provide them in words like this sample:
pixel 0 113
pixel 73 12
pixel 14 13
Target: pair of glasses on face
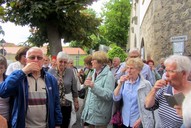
pixel 171 71
pixel 61 61
pixel 35 57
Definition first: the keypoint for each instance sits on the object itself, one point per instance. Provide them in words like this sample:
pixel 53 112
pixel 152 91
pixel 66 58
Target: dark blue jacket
pixel 16 86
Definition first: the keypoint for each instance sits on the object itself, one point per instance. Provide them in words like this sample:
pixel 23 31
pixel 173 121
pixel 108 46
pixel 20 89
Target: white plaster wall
pixel 143 8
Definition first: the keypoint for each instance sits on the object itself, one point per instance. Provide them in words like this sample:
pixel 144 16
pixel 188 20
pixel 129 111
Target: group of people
pixel 35 94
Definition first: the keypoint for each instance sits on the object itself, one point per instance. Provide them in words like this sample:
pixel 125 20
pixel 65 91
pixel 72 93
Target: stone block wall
pixel 165 19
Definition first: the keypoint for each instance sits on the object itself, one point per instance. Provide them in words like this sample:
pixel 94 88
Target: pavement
pixel 78 122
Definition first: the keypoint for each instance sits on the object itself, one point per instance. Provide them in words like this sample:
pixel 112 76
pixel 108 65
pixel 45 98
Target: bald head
pixel 34 49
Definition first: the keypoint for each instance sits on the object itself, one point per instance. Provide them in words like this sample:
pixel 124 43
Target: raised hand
pixel 31 67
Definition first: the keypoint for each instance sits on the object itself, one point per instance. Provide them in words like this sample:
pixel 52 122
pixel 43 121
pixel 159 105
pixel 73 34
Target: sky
pixel 16 34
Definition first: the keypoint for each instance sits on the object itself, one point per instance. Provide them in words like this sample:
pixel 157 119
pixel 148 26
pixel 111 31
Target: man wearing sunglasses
pixel 35 92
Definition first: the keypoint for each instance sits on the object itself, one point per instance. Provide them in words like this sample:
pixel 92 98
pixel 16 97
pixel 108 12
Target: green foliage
pixel 81 61
pixel 1 11
pixel 117 22
pixel 117 52
pixel 51 20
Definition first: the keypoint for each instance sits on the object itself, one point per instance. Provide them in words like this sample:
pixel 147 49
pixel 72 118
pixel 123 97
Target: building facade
pixel 161 28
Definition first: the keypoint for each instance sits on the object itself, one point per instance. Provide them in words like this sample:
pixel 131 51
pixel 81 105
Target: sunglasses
pixel 33 57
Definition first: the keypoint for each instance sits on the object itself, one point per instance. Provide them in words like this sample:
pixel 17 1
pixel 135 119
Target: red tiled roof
pixel 74 51
pixel 68 50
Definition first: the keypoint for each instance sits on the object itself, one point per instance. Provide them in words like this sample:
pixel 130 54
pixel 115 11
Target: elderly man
pixel 46 64
pixel 35 94
pixel 177 71
pixel 145 72
pixel 116 65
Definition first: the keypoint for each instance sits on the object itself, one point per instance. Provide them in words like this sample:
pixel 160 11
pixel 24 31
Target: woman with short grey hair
pixel 67 90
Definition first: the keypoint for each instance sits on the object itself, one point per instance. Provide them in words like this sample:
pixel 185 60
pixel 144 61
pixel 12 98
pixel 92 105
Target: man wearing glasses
pixel 35 92
pixel 176 83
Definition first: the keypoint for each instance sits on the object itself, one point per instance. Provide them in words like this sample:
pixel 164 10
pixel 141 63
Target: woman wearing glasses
pixel 67 90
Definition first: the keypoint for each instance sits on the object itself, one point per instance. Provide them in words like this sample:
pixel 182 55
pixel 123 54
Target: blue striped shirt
pixel 168 115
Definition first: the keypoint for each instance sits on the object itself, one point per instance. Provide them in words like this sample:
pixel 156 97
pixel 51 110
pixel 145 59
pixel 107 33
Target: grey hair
pixel 33 49
pixel 186 111
pixel 183 63
pixel 62 55
pixel 134 50
pixel 117 58
pixel 70 60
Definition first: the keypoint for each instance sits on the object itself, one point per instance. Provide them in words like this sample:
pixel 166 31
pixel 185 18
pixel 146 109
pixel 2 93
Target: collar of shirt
pixel 137 80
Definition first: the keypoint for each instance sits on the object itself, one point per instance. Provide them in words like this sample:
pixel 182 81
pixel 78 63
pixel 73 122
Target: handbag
pixel 117 119
pixel 82 93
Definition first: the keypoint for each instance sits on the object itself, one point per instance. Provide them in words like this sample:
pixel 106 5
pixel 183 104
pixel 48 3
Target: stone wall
pixel 165 19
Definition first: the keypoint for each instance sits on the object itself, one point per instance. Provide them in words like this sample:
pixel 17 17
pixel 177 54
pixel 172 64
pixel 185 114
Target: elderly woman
pixel 98 105
pixel 133 88
pixel 20 61
pixel 177 71
pixel 67 90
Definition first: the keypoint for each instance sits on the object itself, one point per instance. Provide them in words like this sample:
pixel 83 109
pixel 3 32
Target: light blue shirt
pixel 130 110
pixel 145 72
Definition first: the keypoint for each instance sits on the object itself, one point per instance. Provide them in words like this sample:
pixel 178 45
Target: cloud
pixel 15 34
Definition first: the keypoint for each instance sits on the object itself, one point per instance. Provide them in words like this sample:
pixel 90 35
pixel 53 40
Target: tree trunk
pixel 54 39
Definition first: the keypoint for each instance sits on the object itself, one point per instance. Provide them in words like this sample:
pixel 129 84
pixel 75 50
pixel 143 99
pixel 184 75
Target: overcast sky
pixel 16 34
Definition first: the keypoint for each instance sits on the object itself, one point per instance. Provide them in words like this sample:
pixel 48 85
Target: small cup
pixel 167 81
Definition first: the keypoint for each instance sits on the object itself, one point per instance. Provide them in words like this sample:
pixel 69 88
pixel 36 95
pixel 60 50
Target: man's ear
pixel 184 72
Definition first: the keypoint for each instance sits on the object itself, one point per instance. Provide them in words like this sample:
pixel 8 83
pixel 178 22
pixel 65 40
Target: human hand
pixel 178 110
pixel 88 82
pixel 76 105
pixel 123 78
pixel 31 67
pixel 137 123
pixel 160 83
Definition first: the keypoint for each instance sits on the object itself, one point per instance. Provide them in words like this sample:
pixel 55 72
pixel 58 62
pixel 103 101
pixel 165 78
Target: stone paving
pixel 78 122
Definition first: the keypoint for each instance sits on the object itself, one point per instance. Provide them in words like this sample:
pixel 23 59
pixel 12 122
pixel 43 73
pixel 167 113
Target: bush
pixel 117 52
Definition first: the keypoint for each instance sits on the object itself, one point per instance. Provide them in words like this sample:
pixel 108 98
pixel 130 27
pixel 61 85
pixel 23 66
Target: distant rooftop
pixel 68 50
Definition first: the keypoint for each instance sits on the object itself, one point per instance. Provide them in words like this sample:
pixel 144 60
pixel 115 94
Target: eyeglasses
pixel 65 62
pixel 133 56
pixel 130 68
pixel 34 57
pixel 171 71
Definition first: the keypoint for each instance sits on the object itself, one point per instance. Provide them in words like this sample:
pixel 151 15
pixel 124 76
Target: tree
pixel 51 20
pixel 117 52
pixel 117 20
